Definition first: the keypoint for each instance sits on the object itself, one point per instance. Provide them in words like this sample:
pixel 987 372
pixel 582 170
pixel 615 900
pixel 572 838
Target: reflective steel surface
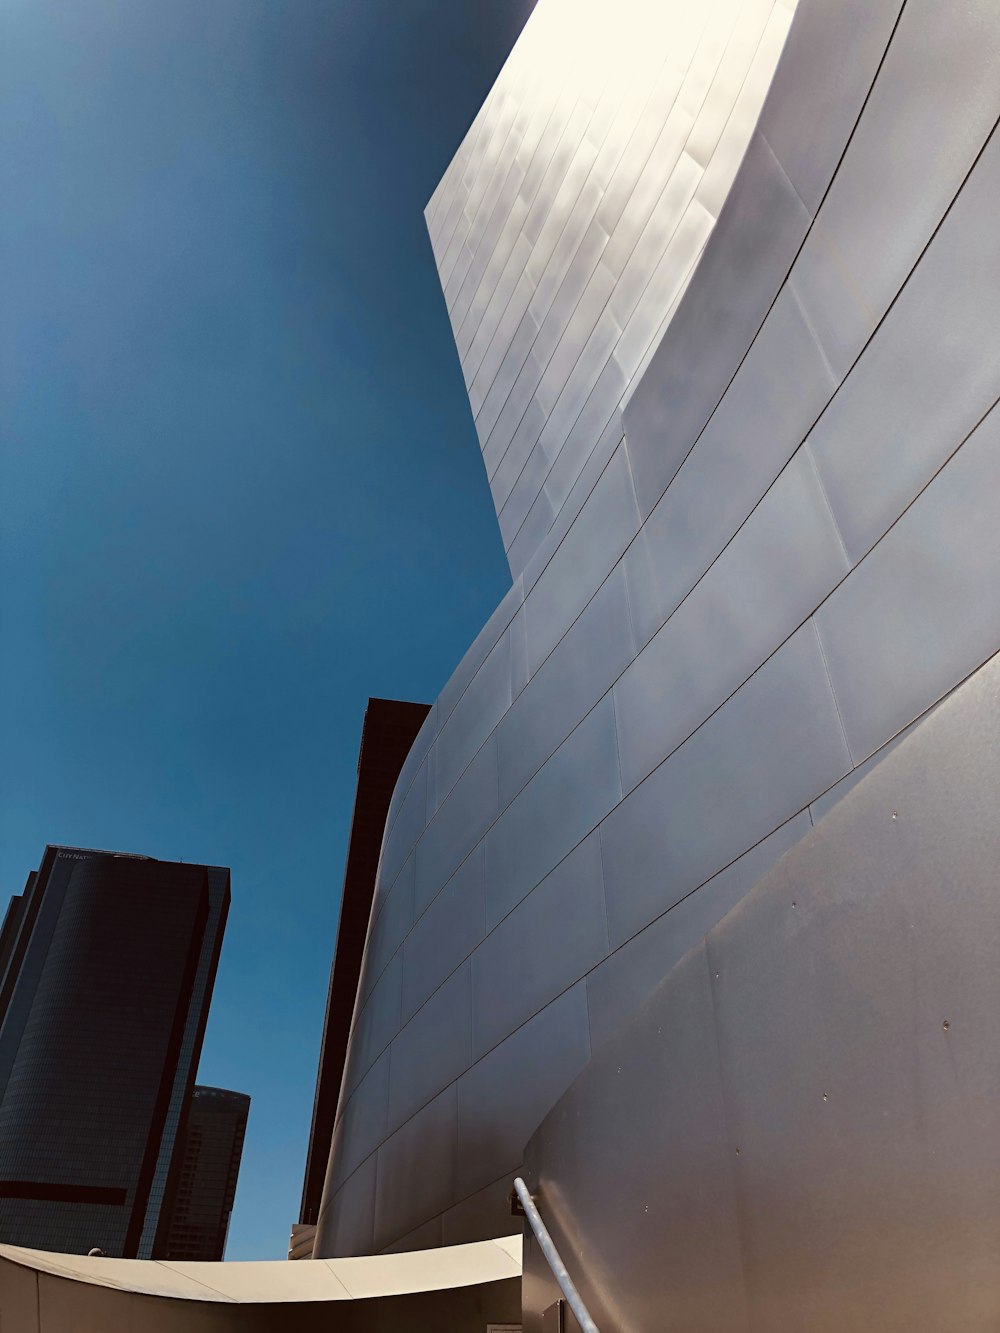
pixel 815 1088
pixel 750 506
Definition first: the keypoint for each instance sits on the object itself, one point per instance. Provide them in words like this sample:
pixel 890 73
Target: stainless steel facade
pixel 814 1087
pixel 746 560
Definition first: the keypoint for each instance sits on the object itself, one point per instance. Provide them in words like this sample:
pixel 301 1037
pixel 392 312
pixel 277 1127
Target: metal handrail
pixel 559 1269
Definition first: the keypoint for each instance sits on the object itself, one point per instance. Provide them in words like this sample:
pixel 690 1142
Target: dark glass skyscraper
pixel 209 1164
pixel 108 963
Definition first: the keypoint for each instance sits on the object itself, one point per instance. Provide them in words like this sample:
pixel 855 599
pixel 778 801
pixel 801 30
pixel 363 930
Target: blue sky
pixel 241 490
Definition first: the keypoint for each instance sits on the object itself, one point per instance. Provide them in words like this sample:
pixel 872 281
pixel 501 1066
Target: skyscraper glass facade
pixel 208 1168
pixel 105 997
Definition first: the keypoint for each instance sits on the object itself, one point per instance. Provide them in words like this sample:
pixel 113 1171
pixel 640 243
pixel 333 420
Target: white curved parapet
pixel 773 561
pixel 41 1292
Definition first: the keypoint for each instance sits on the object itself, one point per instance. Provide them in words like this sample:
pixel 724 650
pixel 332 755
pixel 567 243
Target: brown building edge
pixel 389 729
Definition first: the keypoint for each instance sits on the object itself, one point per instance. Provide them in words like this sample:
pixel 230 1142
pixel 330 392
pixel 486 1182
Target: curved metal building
pixel 723 282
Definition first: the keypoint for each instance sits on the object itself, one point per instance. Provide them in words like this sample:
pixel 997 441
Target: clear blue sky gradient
pixel 241 490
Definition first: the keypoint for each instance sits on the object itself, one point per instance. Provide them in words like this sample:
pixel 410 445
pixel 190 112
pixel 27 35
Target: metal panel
pixel 500 359
pixel 781 388
pixel 580 670
pixel 475 715
pixel 522 440
pixel 489 179
pixel 928 375
pixel 560 805
pixel 595 415
pixel 347 1220
pixel 476 655
pixel 654 123
pixel 823 804
pixel 447 932
pixel 597 461
pixel 459 273
pixel 564 173
pixel 625 980
pixel 651 1236
pixel 932 107
pixel 377 1023
pixel 577 389
pixel 856 999
pixel 403 831
pixel 361 1126
pixel 551 311
pixel 652 236
pixel 662 189
pixel 514 354
pixel 849 1005
pixel 841 320
pixel 555 322
pixel 416 1170
pixel 547 270
pixel 765 754
pixel 433 1048
pixel 830 59
pixel 573 338
pixel 496 270
pixel 531 533
pixel 666 283
pixel 524 491
pixel 751 250
pixel 550 159
pixel 426 1237
pixel 499 296
pixel 411 763
pixel 518 655
pixel 923 609
pixel 556 935
pixel 606 525
pixel 721 98
pixel 721 170
pixel 556 163
pixel 503 1097
pixel 389 931
pixel 556 248
pixel 772 575
pixel 484 1215
pixel 457 826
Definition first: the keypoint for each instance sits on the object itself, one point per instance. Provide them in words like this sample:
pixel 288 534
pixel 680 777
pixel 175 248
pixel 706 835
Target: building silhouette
pixel 209 1164
pixel 387 733
pixel 108 961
